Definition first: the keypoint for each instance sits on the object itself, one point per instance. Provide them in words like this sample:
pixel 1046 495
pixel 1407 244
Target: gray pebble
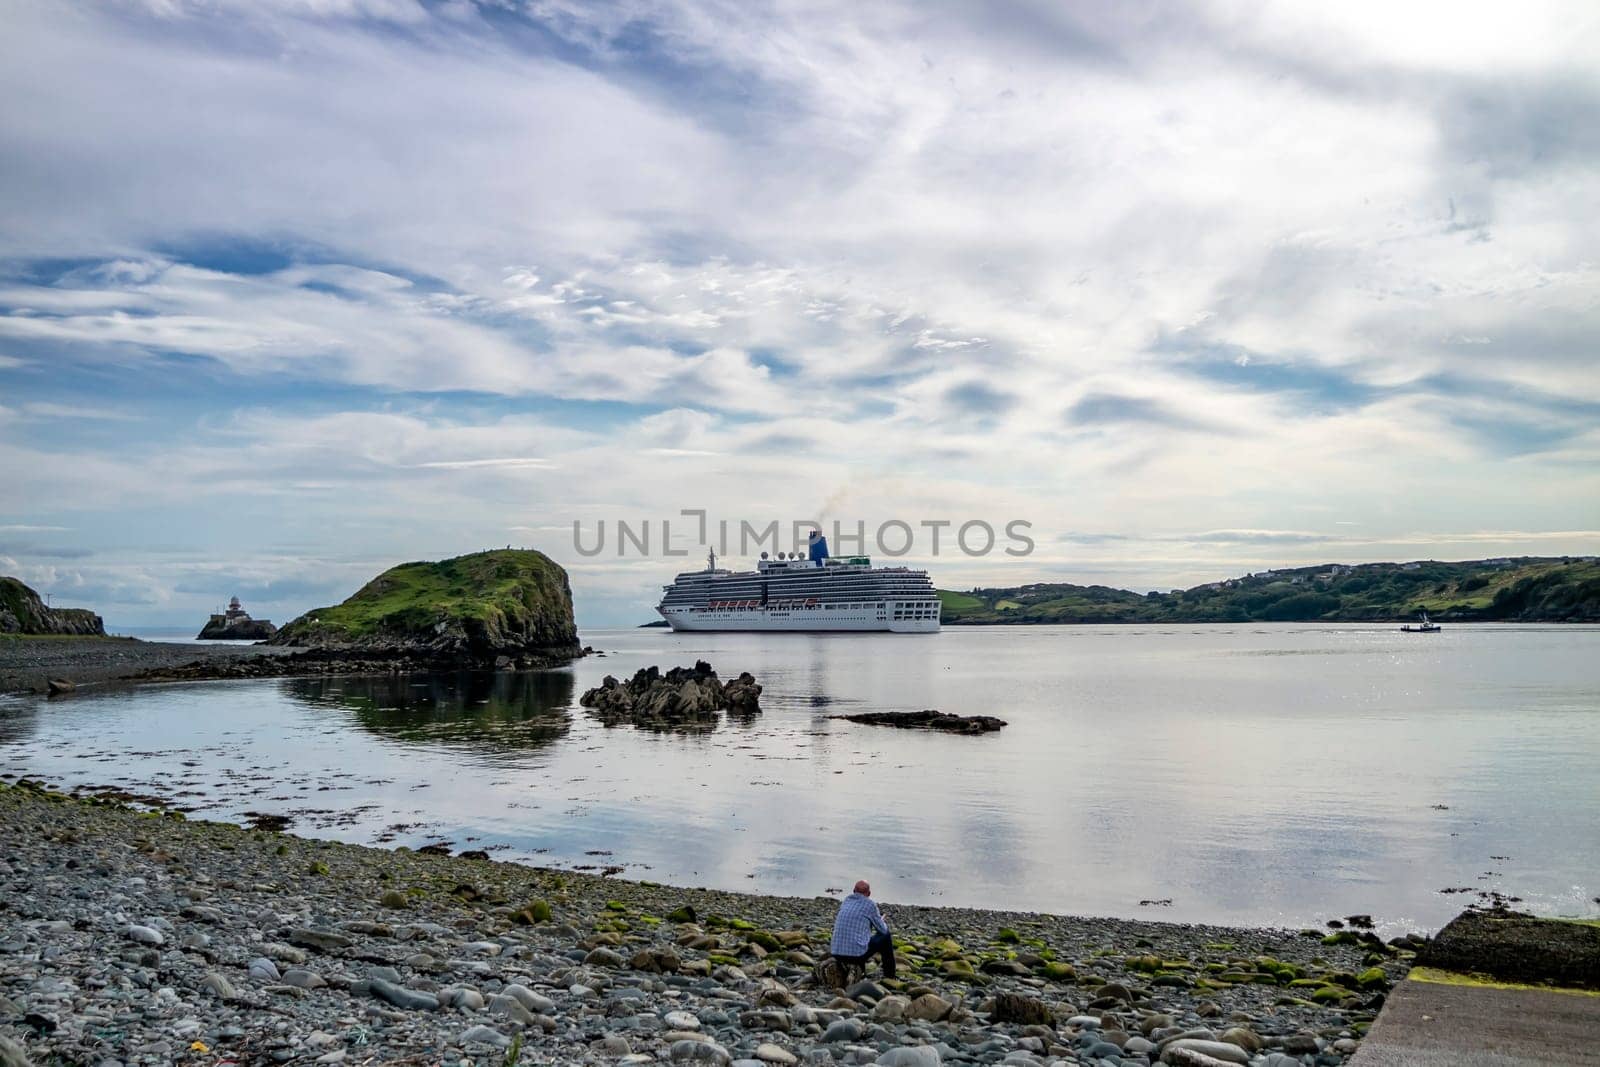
pixel 401 997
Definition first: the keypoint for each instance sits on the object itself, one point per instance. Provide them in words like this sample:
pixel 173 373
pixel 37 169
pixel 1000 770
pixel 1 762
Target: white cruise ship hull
pixel 821 619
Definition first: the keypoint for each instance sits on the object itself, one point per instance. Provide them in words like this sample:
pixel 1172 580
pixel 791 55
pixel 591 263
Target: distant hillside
pixel 1524 589
pixel 23 612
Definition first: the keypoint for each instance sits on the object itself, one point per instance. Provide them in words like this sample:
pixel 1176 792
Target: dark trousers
pixel 882 946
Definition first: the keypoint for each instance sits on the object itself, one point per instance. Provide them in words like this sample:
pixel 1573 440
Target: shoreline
pixel 81 877
pixel 29 663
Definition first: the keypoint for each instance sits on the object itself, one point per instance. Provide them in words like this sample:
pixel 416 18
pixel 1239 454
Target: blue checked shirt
pixel 858 917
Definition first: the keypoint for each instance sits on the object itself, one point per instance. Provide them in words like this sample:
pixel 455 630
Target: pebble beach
pixel 140 937
pixel 27 664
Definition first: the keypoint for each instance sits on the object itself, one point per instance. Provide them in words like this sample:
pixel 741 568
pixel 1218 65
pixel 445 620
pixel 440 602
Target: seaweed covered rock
pixel 682 697
pixel 23 612
pixel 509 607
pixel 1514 947
pixel 929 720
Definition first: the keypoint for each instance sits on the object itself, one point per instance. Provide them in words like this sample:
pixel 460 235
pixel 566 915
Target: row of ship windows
pixel 875 591
pixel 910 611
pixel 775 602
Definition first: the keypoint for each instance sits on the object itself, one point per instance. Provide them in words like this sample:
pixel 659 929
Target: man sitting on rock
pixel 859 933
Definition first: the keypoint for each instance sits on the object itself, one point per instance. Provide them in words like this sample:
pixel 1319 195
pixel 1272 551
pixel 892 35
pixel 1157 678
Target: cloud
pixel 1259 537
pixel 1111 409
pixel 512 462
pixel 34 550
pixel 979 399
pixel 555 259
pixel 44 410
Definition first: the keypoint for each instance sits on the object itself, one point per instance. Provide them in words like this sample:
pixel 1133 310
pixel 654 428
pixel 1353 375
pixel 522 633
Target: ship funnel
pixel 819 547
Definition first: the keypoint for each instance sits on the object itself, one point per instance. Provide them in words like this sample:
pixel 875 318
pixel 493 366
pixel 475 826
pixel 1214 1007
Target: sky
pixel 294 290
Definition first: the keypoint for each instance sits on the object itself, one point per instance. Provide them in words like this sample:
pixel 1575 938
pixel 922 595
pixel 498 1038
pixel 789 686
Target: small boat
pixel 1427 626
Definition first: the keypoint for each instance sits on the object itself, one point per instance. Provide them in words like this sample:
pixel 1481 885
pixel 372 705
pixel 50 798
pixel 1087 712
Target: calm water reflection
pixel 493 713
pixel 1263 774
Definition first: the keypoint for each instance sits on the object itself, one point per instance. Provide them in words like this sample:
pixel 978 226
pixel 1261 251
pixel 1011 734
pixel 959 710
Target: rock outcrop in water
pixel 23 612
pixel 929 720
pixel 505 608
pixel 235 624
pixel 683 697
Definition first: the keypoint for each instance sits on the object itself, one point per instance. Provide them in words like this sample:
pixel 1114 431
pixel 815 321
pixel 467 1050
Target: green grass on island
pixel 1522 589
pixel 500 590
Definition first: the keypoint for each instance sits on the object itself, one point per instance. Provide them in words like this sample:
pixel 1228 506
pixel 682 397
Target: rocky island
pixel 499 610
pixel 235 624
pixel 682 698
pixel 503 608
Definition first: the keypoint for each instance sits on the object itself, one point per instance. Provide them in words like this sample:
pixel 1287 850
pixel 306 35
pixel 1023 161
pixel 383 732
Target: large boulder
pixel 23 612
pixel 1017 1008
pixel 508 607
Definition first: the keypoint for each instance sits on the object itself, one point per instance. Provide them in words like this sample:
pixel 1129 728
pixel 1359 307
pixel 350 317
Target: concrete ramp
pixel 1439 1019
pixel 1495 990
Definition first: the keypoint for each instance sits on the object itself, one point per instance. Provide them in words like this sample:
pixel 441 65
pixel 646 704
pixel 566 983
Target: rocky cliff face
pixel 510 607
pixel 23 612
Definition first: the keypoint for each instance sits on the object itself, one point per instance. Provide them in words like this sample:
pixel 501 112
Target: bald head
pixel 863 888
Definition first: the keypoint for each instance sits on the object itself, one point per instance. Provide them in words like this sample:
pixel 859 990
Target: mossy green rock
pixel 1372 978
pixel 535 911
pixel 393 898
pixel 513 603
pixel 1060 972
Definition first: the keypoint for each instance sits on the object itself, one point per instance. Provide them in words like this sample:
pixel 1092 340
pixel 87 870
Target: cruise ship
pixel 803 593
